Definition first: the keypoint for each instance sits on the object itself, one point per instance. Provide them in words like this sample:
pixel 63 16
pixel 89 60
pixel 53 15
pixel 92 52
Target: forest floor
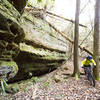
pixel 68 88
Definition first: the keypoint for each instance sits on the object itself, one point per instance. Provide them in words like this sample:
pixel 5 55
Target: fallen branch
pixel 64 35
pixel 38 9
pixel 64 18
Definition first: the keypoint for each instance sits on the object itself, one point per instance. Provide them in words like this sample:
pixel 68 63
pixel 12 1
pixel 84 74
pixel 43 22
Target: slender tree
pixel 76 37
pixel 96 46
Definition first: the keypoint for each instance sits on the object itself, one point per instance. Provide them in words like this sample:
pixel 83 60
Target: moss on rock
pixel 10 64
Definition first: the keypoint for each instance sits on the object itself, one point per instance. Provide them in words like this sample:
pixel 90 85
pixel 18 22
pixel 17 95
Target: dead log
pixel 65 18
pixel 64 35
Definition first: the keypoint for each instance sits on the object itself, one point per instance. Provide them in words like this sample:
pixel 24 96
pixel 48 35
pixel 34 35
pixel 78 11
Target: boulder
pixel 42 49
pixel 28 41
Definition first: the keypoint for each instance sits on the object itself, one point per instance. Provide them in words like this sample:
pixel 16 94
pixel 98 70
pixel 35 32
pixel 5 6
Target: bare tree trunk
pixel 76 37
pixel 96 46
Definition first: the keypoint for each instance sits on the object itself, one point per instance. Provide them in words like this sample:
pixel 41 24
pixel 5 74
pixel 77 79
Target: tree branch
pixel 29 8
pixel 64 35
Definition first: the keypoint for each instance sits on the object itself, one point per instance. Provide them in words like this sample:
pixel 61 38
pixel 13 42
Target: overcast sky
pixel 66 8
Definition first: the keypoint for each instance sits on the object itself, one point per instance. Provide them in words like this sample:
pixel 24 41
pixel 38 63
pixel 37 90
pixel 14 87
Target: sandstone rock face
pixel 28 42
pixel 43 49
pixel 11 34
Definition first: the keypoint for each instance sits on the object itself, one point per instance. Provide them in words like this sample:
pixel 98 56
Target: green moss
pixel 98 78
pixel 13 88
pixel 56 78
pixel 22 85
pixel 76 76
pixel 7 14
pixel 35 79
pixel 66 68
pixel 9 7
pixel 10 64
pixel 45 54
pixel 46 84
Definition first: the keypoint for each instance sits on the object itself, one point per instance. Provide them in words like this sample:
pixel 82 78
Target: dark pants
pixel 89 66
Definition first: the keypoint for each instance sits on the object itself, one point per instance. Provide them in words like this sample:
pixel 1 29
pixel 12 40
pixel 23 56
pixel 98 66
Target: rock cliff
pixel 29 41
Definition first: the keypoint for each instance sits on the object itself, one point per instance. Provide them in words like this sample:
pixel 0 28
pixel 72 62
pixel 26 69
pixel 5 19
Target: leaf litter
pixel 66 89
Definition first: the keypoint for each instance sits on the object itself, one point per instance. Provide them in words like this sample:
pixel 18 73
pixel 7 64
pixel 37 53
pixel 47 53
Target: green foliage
pixel 39 0
pixel 3 85
pixel 53 1
pixel 42 0
pixel 76 76
pixel 28 4
pixel 46 84
pixel 56 79
pixel 35 79
pixel 13 88
pixel 30 74
pixel 66 68
pixel 98 78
